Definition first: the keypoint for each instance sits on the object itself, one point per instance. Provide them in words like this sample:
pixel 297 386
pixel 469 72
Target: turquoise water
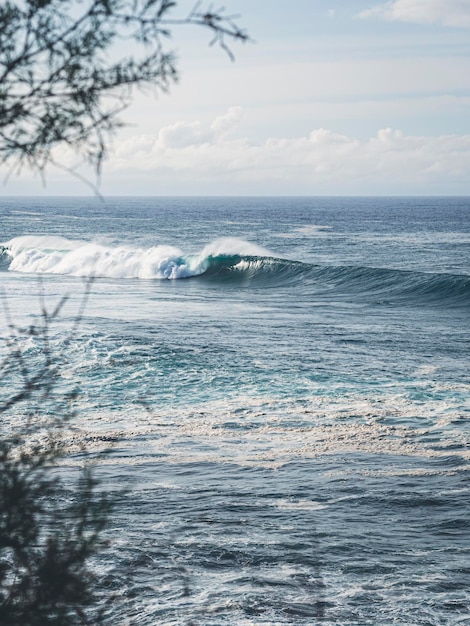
pixel 286 384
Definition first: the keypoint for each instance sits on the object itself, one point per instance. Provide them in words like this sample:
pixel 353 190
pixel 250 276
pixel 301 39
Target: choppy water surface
pixel 286 385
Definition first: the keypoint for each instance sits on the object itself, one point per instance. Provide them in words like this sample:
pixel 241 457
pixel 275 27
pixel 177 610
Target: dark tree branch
pixel 57 76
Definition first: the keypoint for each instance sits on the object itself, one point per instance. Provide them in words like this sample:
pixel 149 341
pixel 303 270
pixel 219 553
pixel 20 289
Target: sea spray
pixel 57 255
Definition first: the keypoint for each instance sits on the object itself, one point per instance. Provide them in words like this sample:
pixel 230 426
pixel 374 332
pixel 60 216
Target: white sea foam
pixel 299 505
pixel 57 255
pixel 425 370
pixel 309 230
pixel 271 432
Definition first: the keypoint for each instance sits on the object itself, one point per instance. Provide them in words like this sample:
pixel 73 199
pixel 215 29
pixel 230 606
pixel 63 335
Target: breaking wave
pixel 57 255
pixel 227 260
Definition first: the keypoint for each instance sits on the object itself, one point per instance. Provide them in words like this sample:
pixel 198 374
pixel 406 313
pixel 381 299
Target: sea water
pixel 286 385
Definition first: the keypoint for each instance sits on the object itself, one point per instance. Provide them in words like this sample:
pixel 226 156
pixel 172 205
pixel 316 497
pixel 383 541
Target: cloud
pixel 184 134
pixel 454 13
pixel 216 157
pixel 196 152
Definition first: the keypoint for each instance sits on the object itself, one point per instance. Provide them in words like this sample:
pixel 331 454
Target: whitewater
pixel 57 255
pixel 281 386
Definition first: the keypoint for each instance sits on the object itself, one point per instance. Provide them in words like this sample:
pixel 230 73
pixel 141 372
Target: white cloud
pixel 455 13
pixel 217 157
pixel 185 134
pixel 194 151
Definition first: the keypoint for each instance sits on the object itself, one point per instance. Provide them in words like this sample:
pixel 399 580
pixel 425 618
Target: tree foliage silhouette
pixel 64 78
pixel 49 528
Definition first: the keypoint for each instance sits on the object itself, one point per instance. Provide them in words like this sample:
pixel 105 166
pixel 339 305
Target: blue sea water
pixel 286 383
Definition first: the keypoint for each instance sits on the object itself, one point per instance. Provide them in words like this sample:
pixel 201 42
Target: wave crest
pixel 57 255
pixel 227 261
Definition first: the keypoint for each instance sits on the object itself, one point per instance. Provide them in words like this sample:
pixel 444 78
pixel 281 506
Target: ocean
pixel 285 383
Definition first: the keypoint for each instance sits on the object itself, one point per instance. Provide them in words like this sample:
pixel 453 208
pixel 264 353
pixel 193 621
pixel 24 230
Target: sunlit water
pixel 285 383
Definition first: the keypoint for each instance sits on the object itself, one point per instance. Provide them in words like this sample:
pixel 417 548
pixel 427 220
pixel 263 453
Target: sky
pixel 332 97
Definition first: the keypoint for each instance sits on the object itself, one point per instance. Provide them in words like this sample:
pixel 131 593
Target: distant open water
pixel 286 381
